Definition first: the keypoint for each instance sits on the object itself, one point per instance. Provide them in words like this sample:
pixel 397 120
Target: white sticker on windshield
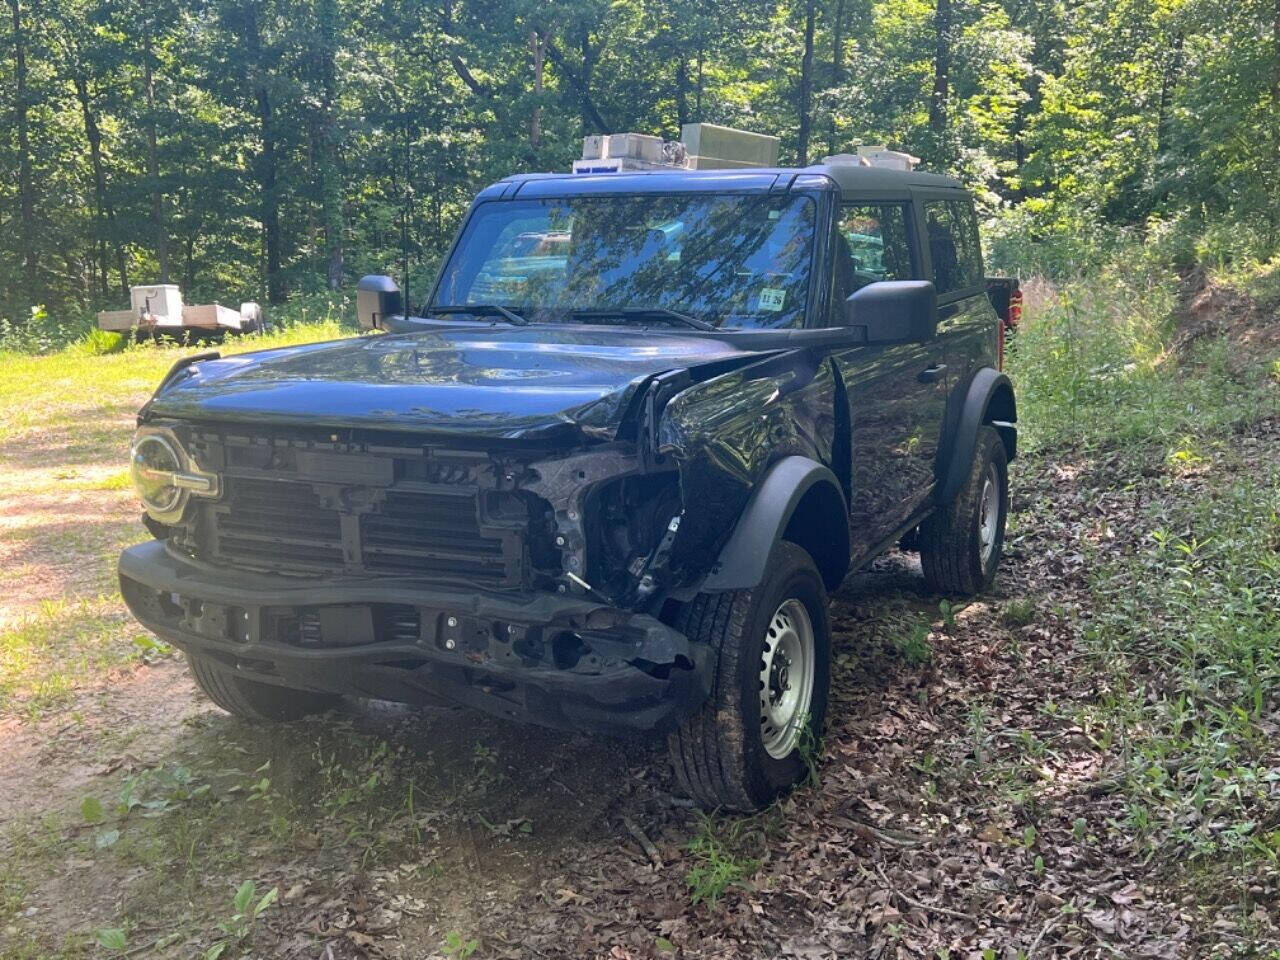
pixel 772 298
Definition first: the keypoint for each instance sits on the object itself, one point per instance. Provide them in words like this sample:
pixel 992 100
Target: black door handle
pixel 932 374
pixel 947 311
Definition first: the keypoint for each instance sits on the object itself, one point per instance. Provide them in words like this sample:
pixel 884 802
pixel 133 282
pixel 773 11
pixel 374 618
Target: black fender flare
pixel 745 556
pixel 985 385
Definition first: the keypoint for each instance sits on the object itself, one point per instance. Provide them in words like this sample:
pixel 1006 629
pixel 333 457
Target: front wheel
pixel 962 542
pixel 757 734
pixel 251 700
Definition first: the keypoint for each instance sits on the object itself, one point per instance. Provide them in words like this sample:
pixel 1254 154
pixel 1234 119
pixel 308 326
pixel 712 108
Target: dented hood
pixel 488 381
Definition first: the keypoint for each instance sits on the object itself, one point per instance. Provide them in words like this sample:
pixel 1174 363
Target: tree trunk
pixel 153 159
pixel 806 85
pixel 682 93
pixel 837 69
pixel 1170 70
pixel 589 54
pixel 459 66
pixel 26 188
pixel 406 203
pixel 266 160
pixel 330 180
pixel 270 200
pixel 539 59
pixel 698 86
pixel 1275 118
pixel 588 105
pixel 93 138
pixel 941 74
pixel 1019 149
pixel 104 213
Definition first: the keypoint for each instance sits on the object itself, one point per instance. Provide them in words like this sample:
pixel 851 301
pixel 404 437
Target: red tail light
pixel 1014 315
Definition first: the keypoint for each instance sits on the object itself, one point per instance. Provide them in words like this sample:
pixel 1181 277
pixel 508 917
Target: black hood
pixel 488 381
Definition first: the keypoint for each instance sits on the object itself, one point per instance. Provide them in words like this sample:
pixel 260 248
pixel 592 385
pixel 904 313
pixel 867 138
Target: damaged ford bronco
pixel 607 476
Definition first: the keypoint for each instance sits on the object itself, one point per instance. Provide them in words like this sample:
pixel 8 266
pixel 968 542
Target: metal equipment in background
pixel 157 310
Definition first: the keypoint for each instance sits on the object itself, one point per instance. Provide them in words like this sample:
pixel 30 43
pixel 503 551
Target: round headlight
pixel 155 460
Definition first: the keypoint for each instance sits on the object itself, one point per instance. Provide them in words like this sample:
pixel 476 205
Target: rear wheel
pixel 757 734
pixel 252 700
pixel 961 543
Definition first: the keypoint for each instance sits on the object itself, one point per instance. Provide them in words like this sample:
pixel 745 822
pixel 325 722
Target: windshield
pixel 728 260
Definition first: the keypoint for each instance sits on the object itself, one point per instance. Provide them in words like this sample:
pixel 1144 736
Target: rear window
pixel 952 229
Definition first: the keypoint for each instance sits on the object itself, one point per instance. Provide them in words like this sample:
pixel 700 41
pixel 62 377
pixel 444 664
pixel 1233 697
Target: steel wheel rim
pixel 786 678
pixel 988 514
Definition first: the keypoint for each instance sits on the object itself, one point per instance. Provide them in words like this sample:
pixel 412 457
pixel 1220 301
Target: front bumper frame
pixel 554 660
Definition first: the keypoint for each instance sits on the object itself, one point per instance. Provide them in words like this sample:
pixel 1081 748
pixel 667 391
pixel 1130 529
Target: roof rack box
pixel 876 156
pixel 615 152
pixel 702 146
pixel 713 147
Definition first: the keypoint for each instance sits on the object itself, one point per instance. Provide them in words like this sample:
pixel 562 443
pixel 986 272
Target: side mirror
pixel 894 311
pixel 377 298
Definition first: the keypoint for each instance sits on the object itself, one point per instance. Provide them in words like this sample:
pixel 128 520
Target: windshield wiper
pixel 642 314
pixel 481 310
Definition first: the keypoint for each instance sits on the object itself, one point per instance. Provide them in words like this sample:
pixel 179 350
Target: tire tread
pixel 251 700
pixel 948 547
pixel 708 750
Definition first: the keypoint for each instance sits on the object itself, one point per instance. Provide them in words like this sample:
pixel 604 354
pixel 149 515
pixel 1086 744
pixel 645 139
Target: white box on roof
pixel 882 156
pixel 635 146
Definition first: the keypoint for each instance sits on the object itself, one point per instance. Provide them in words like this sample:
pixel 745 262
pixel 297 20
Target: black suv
pixel 607 476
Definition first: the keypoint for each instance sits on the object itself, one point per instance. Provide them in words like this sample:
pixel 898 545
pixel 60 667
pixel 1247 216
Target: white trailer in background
pixel 158 310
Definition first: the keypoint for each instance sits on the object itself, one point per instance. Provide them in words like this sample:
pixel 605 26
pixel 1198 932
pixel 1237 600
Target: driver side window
pixel 871 244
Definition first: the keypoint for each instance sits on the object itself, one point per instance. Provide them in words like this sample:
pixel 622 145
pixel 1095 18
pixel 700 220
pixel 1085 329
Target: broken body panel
pixel 636 483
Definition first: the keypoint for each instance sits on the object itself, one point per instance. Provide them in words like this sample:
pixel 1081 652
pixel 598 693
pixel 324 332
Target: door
pixel 967 328
pixel 897 392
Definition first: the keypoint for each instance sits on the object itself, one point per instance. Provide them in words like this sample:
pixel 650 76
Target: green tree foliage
pixel 264 148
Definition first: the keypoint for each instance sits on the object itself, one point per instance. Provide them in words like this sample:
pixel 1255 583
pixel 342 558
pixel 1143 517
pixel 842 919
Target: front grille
pixel 295 526
pixel 278 525
pixel 431 534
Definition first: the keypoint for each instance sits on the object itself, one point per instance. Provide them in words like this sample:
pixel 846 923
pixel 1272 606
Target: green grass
pixel 65 422
pixel 75 387
pixel 1181 637
pixel 1093 369
pixel 230 801
pixel 191 833
pixel 1189 627
pixel 718 860
pixel 1183 632
pixel 62 646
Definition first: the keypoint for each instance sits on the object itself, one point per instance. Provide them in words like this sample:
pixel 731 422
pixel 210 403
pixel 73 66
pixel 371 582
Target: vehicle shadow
pixel 447 806
pixel 486 784
pixel 488 771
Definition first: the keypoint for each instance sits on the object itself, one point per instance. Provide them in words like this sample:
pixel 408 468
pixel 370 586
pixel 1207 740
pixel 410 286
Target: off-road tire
pixel 950 539
pixel 718 753
pixel 251 700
